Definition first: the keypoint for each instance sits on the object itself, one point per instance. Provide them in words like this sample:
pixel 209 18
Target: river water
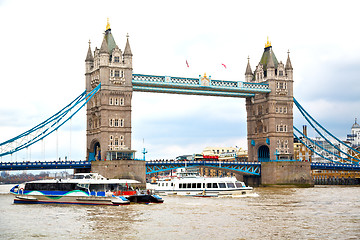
pixel 324 212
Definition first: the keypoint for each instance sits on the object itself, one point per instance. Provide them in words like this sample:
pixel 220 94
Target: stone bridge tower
pixel 270 115
pixel 108 113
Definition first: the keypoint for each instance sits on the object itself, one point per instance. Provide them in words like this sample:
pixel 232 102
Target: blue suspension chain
pixel 305 114
pixel 299 106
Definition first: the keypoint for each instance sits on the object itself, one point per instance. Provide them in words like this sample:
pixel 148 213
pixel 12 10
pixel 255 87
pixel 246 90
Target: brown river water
pixel 322 212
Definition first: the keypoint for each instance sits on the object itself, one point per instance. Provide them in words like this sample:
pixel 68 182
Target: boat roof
pixel 87 181
pixel 87 178
pixel 200 179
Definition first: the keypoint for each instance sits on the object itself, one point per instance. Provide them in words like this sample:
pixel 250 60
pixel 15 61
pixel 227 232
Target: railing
pixel 44 165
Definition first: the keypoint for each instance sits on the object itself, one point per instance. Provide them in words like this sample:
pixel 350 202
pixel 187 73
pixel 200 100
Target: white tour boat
pixel 84 189
pixel 191 184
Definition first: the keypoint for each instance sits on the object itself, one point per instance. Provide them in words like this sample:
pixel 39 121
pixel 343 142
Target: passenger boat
pixel 191 184
pixel 83 189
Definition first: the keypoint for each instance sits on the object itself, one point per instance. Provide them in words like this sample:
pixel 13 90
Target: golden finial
pixel 205 75
pixel 268 44
pixel 107 25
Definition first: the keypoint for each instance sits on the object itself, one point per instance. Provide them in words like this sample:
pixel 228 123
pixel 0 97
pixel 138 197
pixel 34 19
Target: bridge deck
pixel 252 168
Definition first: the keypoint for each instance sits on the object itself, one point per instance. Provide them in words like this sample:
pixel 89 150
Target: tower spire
pixel 267 44
pixel 248 68
pixel 127 50
pixel 288 62
pixel 108 25
pixel 89 56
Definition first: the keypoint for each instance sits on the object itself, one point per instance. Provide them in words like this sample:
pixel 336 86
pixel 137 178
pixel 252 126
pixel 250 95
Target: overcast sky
pixel 44 45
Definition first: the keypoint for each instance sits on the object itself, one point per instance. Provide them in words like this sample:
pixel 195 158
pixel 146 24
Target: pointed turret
pixel 267 55
pixel 89 56
pixel 127 51
pixel 270 63
pixel 248 72
pixel 270 68
pixel 288 62
pixel 127 56
pixel 289 68
pixel 104 47
pixel 89 61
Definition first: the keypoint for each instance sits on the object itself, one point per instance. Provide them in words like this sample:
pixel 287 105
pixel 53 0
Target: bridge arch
pixel 263 153
pixel 94 152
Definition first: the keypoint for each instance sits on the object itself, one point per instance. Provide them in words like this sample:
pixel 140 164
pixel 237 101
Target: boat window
pixel 87 177
pixel 230 185
pixel 188 185
pixel 78 176
pixel 193 185
pixel 198 185
pixel 172 184
pixel 238 184
pixel 208 185
pixel 203 185
pixel 82 186
pixel 214 185
pixel 50 186
pixel 180 185
pixel 95 187
pixel 166 184
pixel 222 185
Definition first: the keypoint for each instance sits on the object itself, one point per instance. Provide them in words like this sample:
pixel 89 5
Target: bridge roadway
pixel 250 168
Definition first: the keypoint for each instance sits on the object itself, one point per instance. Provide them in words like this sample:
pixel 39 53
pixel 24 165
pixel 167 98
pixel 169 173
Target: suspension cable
pixel 299 106
pixel 305 115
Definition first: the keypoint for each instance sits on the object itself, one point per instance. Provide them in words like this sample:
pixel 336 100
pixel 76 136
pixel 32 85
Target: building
pixel 301 152
pixel 354 137
pixel 108 113
pixel 270 115
pixel 226 153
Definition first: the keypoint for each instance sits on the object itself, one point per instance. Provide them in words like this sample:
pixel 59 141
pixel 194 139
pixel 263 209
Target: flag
pixel 187 64
pixel 223 65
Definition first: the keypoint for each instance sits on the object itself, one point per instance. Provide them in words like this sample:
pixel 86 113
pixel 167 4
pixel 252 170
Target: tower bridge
pixel 110 82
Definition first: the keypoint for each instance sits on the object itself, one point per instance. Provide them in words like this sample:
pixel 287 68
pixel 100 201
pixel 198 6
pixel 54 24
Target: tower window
pixel 116 101
pixel 116 123
pixel 121 122
pixel 116 59
pixel 117 73
pixel 111 101
pixel 122 101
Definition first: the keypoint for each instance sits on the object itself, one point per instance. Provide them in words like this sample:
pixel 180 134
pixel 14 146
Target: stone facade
pixel 287 173
pixel 108 113
pixel 125 169
pixel 270 115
